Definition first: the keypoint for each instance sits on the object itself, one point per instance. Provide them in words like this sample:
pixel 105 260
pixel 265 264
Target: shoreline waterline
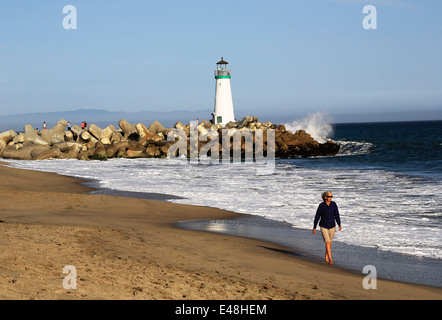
pixel 301 243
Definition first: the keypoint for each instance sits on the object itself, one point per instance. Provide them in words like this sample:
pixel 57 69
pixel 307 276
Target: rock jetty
pixel 154 141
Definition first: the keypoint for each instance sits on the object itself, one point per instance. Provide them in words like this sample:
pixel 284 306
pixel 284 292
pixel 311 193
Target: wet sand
pixel 302 243
pixel 127 248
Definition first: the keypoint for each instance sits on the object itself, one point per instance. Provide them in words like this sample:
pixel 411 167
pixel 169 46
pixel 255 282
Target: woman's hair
pixel 324 193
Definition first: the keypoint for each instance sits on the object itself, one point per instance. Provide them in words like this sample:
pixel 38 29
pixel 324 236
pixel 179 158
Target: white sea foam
pixel 351 148
pixel 378 208
pixel 317 125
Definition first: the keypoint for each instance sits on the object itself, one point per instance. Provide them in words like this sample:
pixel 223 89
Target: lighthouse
pixel 223 113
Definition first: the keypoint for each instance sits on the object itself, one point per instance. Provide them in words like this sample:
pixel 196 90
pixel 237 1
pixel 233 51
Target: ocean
pixel 386 181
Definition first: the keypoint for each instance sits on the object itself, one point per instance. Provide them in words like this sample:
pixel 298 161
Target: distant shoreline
pixel 104 117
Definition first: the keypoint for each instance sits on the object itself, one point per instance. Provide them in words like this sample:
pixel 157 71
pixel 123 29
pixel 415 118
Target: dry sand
pixel 129 249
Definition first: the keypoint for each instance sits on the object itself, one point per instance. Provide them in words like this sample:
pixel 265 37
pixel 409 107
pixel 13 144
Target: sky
pixel 287 57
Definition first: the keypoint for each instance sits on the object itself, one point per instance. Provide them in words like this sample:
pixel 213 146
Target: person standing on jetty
pixel 327 213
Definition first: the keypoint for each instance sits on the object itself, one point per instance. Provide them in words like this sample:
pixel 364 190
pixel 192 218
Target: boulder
pixel 68 136
pixel 76 130
pixel 106 134
pixel 129 130
pixel 100 152
pixel 306 149
pixel 165 148
pixel 328 149
pixel 135 146
pixel 179 126
pixel 150 151
pixel 12 152
pixel 156 127
pixel 56 134
pixel 202 129
pixel 20 138
pixel 47 154
pixel 85 136
pixel 135 153
pixel 36 151
pixel 231 124
pixel 207 124
pixel 149 138
pixel 247 121
pixel 116 137
pixel 72 153
pixel 285 137
pixel 26 152
pixel 32 137
pixel 83 155
pixel 90 144
pixel 68 145
pixel 6 137
pixel 120 151
pixel 95 130
pixel 141 129
pixel 111 150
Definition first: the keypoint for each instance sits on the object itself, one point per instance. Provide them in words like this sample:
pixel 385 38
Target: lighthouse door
pixel 219 119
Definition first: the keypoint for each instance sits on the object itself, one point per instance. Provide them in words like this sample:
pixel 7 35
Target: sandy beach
pixel 125 248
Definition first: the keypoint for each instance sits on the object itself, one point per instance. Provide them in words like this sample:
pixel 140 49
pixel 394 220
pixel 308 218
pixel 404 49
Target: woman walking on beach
pixel 327 214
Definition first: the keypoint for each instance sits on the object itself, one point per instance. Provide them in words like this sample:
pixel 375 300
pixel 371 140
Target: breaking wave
pixel 352 148
pixel 316 125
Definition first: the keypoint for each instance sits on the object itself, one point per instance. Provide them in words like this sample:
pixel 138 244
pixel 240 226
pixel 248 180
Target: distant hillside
pixel 99 117
pixel 103 118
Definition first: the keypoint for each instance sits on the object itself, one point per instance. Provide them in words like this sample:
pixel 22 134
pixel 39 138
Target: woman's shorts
pixel 328 234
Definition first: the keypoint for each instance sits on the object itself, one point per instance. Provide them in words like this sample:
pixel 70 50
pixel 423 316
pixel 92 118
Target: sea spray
pixel 317 125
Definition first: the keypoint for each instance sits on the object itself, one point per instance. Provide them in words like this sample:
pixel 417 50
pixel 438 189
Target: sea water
pixel 386 181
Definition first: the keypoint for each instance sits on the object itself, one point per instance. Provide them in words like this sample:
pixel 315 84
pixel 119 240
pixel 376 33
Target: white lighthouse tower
pixel 223 113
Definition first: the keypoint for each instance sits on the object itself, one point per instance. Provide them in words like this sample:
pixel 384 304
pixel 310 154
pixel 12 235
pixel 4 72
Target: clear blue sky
pixel 286 56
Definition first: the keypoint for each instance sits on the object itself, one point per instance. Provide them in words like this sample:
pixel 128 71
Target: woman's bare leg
pixel 328 257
